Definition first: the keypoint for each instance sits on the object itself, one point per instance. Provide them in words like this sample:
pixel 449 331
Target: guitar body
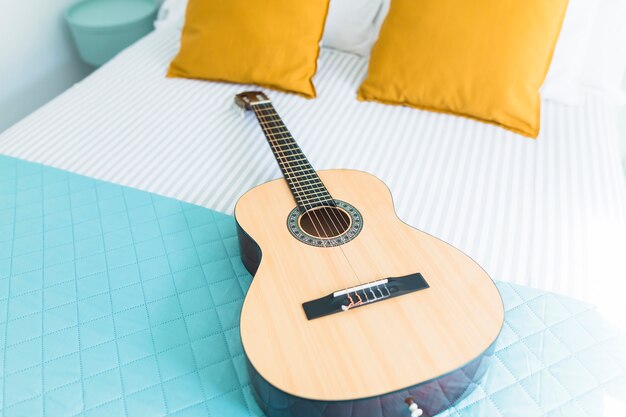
pixel 430 344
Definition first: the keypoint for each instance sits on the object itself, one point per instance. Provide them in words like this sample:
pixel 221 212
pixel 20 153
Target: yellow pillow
pixel 484 59
pixel 272 43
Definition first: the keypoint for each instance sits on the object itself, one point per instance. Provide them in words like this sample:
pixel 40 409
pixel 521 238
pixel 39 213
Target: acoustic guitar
pixel 351 312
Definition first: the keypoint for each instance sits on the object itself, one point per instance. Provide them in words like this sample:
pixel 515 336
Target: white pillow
pixel 563 82
pixel 606 56
pixel 171 14
pixel 351 25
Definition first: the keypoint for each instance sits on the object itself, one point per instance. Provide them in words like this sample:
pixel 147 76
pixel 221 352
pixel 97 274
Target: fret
pixel 288 152
pixel 303 169
pixel 295 167
pixel 308 190
pixel 311 196
pixel 266 113
pixel 284 137
pixel 292 165
pixel 274 125
pixel 304 190
pixel 313 188
pixel 325 195
pixel 300 174
pixel 304 182
pixel 294 159
pixel 289 147
pixel 313 200
pixel 283 142
pixel 292 152
pixel 267 121
pixel 303 173
pixel 281 129
pixel 310 187
pixel 271 118
pixel 309 183
pixel 317 196
pixel 309 177
pixel 304 185
pixel 274 134
pixel 281 150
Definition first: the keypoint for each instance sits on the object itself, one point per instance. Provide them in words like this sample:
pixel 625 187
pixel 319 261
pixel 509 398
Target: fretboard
pixel 305 185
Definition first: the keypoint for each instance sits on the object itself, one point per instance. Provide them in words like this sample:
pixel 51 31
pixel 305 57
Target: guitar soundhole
pixel 325 222
pixel 326 226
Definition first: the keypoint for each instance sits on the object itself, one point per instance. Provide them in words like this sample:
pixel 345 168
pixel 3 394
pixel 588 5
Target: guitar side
pixel 414 344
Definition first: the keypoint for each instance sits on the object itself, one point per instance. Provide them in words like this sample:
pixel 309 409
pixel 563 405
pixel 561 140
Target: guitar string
pixel 276 118
pixel 262 116
pixel 284 161
pixel 283 158
pixel 333 212
pixel 301 188
pixel 325 208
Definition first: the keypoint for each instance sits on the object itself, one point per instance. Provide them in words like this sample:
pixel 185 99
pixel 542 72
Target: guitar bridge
pixel 361 295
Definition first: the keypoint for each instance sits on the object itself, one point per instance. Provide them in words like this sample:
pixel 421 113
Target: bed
pixel 120 302
pixel 549 213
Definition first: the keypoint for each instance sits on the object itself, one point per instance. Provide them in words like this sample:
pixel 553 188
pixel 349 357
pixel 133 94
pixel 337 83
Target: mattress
pixel 118 302
pixel 549 213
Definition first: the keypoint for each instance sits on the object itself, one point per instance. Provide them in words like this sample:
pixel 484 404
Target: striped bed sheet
pixel 550 213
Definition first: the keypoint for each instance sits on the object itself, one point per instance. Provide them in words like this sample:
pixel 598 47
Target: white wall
pixel 37 57
pixel 623 128
pixel 623 131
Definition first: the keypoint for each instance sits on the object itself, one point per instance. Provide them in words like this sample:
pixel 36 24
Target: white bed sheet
pixel 548 212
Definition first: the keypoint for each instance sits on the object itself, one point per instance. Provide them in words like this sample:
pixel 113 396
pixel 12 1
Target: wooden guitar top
pixel 371 350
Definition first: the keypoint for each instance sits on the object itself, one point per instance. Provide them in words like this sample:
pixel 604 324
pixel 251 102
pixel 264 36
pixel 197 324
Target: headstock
pixel 247 99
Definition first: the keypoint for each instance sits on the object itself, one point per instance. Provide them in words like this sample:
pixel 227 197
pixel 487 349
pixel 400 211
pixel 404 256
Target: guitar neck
pixel 305 185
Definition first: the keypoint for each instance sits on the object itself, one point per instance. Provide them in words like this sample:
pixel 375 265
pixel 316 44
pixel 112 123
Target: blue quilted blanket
pixel 118 302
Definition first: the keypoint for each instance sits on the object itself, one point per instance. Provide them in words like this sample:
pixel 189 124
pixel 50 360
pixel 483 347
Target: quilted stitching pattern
pixel 120 302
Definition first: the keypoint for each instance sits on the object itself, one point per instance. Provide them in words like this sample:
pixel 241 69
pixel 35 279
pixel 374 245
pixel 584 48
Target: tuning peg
pixel 413 407
pixel 415 410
